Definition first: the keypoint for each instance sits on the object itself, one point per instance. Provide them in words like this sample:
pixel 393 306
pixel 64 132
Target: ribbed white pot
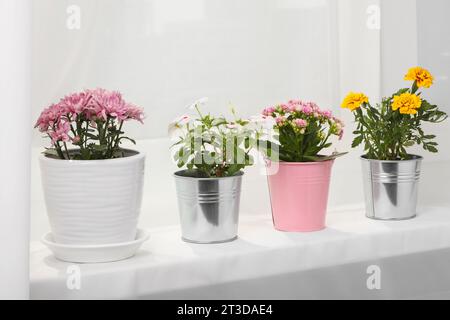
pixel 93 202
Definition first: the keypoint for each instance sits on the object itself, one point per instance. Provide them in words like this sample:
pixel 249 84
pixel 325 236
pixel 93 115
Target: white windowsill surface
pixel 166 265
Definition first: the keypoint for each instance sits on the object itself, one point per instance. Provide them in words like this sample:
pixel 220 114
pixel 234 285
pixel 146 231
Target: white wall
pixel 434 52
pixel 359 70
pixel 164 54
pixel 418 33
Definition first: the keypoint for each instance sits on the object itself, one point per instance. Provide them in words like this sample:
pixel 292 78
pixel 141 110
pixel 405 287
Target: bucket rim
pixel 306 163
pixel 178 175
pixel 414 158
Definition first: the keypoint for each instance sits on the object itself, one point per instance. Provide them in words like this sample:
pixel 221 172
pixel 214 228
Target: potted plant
pixel 298 174
pixel 92 186
pixel 213 152
pixel 386 130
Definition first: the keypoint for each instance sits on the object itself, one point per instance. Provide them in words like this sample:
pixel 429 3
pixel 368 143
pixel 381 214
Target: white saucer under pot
pixel 95 253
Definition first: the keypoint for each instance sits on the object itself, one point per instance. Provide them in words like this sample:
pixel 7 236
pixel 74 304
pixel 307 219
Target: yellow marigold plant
pixel 387 129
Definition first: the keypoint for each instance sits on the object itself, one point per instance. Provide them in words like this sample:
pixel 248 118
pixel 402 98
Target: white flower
pixel 198 103
pixel 262 122
pixel 177 124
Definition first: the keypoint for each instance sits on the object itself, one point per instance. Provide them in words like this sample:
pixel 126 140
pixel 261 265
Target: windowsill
pixel 166 264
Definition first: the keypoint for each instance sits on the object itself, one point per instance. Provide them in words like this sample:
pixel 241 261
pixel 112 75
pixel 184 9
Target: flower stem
pixel 67 151
pixel 59 151
pixel 116 142
pixel 198 111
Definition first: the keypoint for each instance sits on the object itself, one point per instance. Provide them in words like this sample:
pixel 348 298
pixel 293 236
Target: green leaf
pixel 85 154
pixel 129 139
pixel 432 149
pixel 325 158
pixel 51 152
pixel 177 143
pixel 414 87
pixel 91 136
pixel 99 147
pixel 357 141
pixel 180 164
pixel 401 91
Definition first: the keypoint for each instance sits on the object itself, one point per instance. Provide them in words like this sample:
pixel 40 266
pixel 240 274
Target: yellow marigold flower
pixel 422 77
pixel 354 100
pixel 407 103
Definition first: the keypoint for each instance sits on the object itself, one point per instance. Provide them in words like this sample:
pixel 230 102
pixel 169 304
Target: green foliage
pixel 300 136
pixel 298 147
pixel 213 147
pixel 97 140
pixel 386 133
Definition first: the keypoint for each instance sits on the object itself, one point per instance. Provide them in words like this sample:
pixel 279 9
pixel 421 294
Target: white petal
pixel 177 125
pixel 199 103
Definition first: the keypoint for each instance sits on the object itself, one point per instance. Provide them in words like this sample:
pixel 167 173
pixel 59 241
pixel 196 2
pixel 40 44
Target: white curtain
pixel 163 54
pixel 15 134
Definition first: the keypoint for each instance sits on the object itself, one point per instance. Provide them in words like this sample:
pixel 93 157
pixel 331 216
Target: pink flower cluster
pixel 301 123
pixel 338 127
pixel 89 105
pixel 299 114
pixel 280 120
pixel 269 111
pixel 299 106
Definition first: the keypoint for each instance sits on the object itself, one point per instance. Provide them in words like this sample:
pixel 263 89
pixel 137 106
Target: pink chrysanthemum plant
pixel 91 121
pixel 301 130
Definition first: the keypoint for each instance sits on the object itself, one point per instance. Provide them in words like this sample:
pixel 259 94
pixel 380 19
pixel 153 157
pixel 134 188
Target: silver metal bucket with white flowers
pixel 213 151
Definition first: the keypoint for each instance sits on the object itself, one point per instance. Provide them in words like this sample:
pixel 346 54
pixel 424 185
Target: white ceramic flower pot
pixel 93 202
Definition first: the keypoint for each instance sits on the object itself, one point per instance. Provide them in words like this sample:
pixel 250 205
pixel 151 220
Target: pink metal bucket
pixel 299 194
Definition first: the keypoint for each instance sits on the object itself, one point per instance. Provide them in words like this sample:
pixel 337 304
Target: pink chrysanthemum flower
pixel 61 132
pixel 88 105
